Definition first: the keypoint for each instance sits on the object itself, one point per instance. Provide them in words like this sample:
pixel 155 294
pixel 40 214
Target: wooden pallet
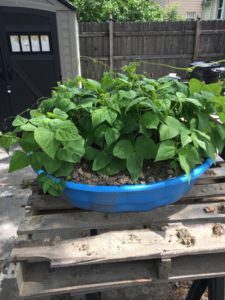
pixel 62 250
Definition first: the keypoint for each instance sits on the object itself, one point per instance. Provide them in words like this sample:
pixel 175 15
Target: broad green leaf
pixel 50 165
pixel 216 140
pixel 184 163
pixel 197 142
pixel 57 188
pixel 134 165
pixel 99 116
pixel 18 161
pixel 111 135
pixel 100 131
pixel 167 133
pixel 47 105
pixel 65 170
pixel 28 143
pixel 28 127
pixel 135 102
pixel 166 150
pixel 192 156
pixel 195 85
pixel 185 139
pixel 68 155
pixel 211 151
pixel 53 188
pixel 7 140
pixel 67 134
pixel 128 95
pixel 60 114
pixel 37 120
pixel 18 121
pixel 130 123
pixel 216 88
pixel 193 123
pixel 65 105
pixel 193 101
pixel 203 120
pixel 90 153
pixel 36 159
pixel 101 160
pixel 150 120
pixel 92 84
pixel 115 166
pixel 123 149
pixel 46 140
pixel 111 116
pixel 221 130
pixel 145 147
pixel 172 122
pixel 202 134
pixel 77 146
pixel 87 102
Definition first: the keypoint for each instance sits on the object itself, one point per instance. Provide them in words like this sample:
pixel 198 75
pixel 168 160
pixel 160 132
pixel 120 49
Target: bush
pixel 132 10
pixel 117 124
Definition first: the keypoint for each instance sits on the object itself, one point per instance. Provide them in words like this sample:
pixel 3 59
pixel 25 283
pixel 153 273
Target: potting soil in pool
pixel 152 172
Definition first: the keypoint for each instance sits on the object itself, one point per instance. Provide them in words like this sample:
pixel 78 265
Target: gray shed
pixel 39 45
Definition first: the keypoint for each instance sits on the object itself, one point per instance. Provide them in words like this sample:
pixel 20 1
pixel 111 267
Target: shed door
pixel 29 59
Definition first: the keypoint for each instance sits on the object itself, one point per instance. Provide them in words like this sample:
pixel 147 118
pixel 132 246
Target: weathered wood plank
pixel 127 245
pixel 214 173
pixel 47 202
pixel 206 190
pixel 40 282
pixel 76 221
pixel 197 267
pixel 85 279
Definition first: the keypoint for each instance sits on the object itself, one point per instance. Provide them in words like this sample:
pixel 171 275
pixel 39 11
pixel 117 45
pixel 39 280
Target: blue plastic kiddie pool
pixel 132 198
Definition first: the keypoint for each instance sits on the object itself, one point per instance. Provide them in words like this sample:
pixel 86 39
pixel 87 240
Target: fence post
pixel 197 38
pixel 111 42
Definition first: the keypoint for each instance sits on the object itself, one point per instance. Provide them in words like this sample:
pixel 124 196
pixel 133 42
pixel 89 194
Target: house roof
pixel 68 4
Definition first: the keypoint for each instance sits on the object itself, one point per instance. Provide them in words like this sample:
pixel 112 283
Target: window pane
pixel 25 43
pixel 220 3
pixel 45 45
pixel 35 44
pixel 15 44
pixel 191 15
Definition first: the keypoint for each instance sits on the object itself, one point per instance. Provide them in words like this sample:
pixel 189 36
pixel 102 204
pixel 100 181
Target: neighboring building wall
pixel 210 10
pixel 185 8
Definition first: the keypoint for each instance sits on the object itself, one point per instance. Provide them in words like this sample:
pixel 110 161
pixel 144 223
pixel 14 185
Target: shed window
pixel 35 43
pixel 30 43
pixel 45 44
pixel 15 44
pixel 25 43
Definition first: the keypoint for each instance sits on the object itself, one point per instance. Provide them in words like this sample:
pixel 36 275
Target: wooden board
pixel 41 282
pixel 79 220
pixel 126 245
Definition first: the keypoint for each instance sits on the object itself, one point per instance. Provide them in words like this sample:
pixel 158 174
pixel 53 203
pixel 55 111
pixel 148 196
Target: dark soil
pixel 152 172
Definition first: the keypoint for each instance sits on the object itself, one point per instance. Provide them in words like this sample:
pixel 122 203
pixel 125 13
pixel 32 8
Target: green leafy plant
pixel 123 11
pixel 117 124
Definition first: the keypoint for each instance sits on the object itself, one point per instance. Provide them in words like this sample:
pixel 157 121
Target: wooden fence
pixel 172 43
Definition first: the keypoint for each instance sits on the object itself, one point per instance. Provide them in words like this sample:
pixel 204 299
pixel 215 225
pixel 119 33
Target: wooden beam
pixel 153 57
pixel 84 221
pixel 197 39
pixel 111 42
pixel 127 245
